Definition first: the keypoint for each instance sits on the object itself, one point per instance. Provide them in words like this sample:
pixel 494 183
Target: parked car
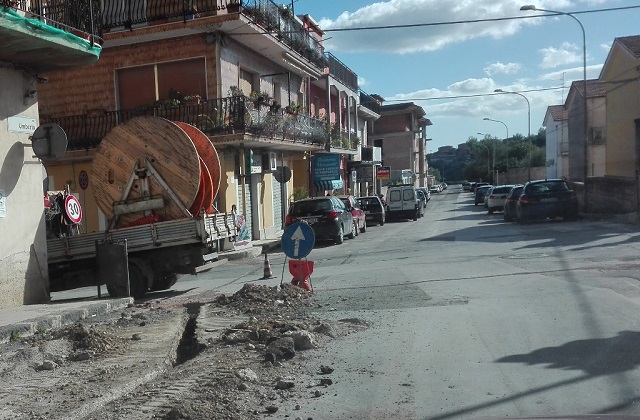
pixel 548 198
pixel 444 186
pixel 423 202
pixel 434 189
pixel 426 192
pixel 352 205
pixel 466 186
pixel 511 202
pixel 486 197
pixel 497 197
pixel 402 202
pixel 480 193
pixel 472 187
pixel 373 209
pixel 327 216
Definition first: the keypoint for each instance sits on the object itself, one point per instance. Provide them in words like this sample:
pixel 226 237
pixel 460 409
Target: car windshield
pixel 369 203
pixel 547 186
pixel 310 207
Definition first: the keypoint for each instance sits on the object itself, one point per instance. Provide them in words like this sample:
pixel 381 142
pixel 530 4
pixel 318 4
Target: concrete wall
pixel 609 195
pixel 521 175
pixel 23 250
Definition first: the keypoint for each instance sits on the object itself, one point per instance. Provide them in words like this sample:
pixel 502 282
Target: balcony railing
pixel 369 102
pixel 232 115
pixel 341 72
pixel 273 18
pixel 279 21
pixel 67 15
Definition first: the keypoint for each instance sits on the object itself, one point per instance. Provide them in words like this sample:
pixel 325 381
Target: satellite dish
pixel 282 174
pixel 49 141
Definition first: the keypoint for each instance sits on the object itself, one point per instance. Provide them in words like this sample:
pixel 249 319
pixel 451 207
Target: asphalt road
pixel 472 316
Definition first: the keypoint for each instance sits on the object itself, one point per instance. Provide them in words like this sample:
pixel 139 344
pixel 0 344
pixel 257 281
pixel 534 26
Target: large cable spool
pixel 149 158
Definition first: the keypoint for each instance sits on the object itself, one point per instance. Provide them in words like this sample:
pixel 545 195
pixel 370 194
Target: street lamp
pixel 488 159
pixel 529 125
pixel 585 128
pixel 494 147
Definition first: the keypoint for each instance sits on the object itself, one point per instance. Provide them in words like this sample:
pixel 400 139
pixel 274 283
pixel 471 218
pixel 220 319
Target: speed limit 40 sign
pixel 73 209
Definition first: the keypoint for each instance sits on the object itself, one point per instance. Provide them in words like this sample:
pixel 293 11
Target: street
pixel 470 316
pixel 473 316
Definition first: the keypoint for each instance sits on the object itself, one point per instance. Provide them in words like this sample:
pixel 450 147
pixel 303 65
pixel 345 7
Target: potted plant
pixel 191 100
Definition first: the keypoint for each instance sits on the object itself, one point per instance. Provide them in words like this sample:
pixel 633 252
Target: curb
pixel 61 318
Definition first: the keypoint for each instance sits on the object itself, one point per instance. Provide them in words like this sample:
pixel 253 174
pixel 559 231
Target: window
pixel 246 82
pixel 408 195
pixel 394 196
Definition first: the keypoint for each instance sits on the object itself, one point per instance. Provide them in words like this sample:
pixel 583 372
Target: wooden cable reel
pixel 150 165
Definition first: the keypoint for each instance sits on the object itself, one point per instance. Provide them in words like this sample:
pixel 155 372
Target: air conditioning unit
pixel 269 162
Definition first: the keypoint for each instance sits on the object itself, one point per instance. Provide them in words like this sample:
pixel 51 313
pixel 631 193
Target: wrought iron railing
pixel 67 15
pixel 231 115
pixel 340 71
pixel 279 21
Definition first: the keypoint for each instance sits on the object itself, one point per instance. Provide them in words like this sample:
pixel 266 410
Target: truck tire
pixel 140 275
pixel 164 281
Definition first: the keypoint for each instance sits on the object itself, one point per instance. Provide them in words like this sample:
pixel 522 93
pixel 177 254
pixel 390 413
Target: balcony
pixel 368 106
pixel 49 35
pixel 343 142
pixel 266 27
pixel 341 72
pixel 261 124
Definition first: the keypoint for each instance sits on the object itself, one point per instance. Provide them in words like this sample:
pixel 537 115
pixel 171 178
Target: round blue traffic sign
pixel 298 240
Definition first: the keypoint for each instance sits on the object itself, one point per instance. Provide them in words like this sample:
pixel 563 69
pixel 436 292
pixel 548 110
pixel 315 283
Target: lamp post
pixel 585 128
pixel 494 147
pixel 528 125
pixel 488 159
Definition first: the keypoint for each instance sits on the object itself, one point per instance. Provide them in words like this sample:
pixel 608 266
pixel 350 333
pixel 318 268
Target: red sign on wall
pixel 383 172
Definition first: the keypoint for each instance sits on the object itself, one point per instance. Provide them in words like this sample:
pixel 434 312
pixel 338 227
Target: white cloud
pixel 362 81
pixel 423 38
pixel 567 53
pixel 502 68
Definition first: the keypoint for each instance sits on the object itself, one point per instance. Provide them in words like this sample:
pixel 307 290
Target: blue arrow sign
pixel 298 240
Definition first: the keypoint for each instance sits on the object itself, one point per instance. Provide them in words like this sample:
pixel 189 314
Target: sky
pixel 451 66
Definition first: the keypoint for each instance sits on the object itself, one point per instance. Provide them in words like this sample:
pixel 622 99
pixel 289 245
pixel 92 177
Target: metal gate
pixel 245 234
pixel 277 205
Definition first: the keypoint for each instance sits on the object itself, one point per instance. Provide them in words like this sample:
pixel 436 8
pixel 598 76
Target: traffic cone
pixel 267 269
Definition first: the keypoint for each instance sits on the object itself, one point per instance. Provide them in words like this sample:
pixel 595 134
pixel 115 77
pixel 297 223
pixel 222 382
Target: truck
pixel 155 180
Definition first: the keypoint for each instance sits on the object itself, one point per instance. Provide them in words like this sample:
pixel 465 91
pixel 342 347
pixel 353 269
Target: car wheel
pixel 357 230
pixel 490 211
pixel 571 218
pixel 340 236
pixel 415 216
pixel 363 229
pixel 522 219
pixel 354 230
pixel 475 204
pixel 382 220
pixel 506 217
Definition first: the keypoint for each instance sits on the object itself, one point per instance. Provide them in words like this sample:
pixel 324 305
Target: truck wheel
pixel 139 276
pixel 164 281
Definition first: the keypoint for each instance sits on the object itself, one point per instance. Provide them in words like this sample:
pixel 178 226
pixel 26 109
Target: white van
pixel 403 202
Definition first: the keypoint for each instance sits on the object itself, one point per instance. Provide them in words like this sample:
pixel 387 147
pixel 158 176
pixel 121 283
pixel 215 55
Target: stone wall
pixel 521 175
pixel 608 195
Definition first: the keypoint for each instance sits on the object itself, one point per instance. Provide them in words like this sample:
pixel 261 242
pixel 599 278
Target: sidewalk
pixel 26 320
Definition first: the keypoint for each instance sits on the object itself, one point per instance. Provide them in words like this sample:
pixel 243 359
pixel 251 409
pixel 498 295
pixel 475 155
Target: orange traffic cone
pixel 301 271
pixel 267 269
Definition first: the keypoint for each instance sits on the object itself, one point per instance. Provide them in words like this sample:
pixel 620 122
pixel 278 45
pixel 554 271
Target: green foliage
pixel 299 193
pixel 15 336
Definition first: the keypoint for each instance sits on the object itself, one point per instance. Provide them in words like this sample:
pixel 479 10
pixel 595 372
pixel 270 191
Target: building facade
pixel 31 44
pixel 557 142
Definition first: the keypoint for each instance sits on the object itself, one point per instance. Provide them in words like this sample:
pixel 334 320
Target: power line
pixel 458 22
pixel 455 22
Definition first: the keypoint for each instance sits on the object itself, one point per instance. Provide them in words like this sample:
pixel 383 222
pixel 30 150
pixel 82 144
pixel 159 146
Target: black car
pixel 546 199
pixel 327 216
pixel 511 202
pixel 373 209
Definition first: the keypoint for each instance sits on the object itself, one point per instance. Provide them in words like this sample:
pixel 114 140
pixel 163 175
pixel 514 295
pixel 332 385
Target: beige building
pixel 621 75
